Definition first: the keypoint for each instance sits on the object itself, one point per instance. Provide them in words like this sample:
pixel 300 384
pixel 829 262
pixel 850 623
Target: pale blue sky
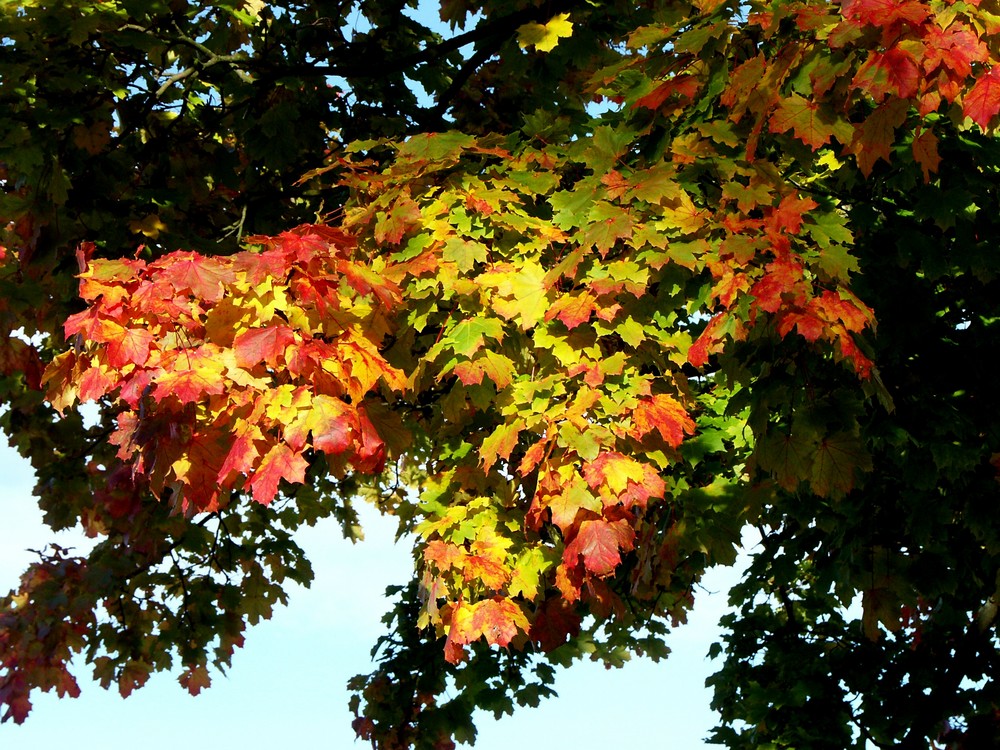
pixel 288 684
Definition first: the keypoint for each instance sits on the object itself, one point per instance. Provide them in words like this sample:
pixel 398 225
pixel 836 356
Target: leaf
pixel 189 376
pixel 131 346
pixel 874 137
pixel 280 463
pixel 665 415
pixel 613 470
pixel 468 336
pixel 194 679
pixel 522 291
pixel 499 444
pixel 892 72
pixel 599 543
pixel 808 121
pixel 198 275
pixel 838 457
pixel 262 345
pixel 436 146
pixel 982 102
pixel 545 37
pixel 925 152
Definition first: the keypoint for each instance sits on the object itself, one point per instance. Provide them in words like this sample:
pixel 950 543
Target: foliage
pixel 573 350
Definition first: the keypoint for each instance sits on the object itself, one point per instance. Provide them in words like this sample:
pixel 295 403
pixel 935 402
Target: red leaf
pixel 664 414
pixel 555 622
pixel 982 103
pixel 262 345
pixel 782 285
pixel 365 281
pixel 788 215
pixel 202 276
pixel 498 620
pixel 684 85
pixel 891 72
pixel 242 454
pixel 131 347
pixel 279 463
pixel 598 543
pixel 370 455
pixel 191 374
pixel 886 12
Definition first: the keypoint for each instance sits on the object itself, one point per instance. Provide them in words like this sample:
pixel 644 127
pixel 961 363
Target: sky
pixel 288 684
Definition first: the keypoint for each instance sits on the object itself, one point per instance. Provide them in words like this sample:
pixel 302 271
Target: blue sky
pixel 288 684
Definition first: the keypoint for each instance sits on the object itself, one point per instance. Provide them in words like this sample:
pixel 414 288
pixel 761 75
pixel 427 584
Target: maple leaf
pixel 886 12
pixel 499 444
pixel 498 620
pixel 565 506
pixel 94 382
pixel 788 457
pixel 467 337
pixel 130 347
pixel 258 345
pixel 925 152
pixel 545 36
pixel 280 463
pixel 782 285
pixel 573 309
pixel 490 573
pixel 370 455
pixel 609 224
pixel 403 216
pixel 874 138
pixel 638 493
pixel 893 71
pixel 194 679
pixel 837 458
pixel 366 281
pixel 686 86
pixel 436 146
pixel 203 277
pixel 982 102
pixel 555 621
pixel 198 469
pixel 809 121
pixel 600 543
pixel 788 215
pixel 522 290
pixel 613 470
pixel 189 375
pixel 242 454
pixel 664 414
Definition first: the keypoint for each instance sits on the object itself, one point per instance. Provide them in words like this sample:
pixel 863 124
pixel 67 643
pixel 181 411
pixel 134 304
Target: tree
pixel 574 350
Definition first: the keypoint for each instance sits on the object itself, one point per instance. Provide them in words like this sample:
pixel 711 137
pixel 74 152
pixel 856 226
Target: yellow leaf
pixel 150 226
pixel 544 37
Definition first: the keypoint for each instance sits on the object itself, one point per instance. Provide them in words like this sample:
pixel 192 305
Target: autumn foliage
pixel 574 351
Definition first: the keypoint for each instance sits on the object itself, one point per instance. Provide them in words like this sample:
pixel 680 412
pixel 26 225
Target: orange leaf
pixel 279 463
pixel 925 152
pixel 664 414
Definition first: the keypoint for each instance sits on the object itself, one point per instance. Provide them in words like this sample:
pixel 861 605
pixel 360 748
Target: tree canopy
pixel 575 291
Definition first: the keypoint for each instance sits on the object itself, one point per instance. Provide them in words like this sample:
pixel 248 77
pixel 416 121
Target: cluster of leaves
pixel 597 347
